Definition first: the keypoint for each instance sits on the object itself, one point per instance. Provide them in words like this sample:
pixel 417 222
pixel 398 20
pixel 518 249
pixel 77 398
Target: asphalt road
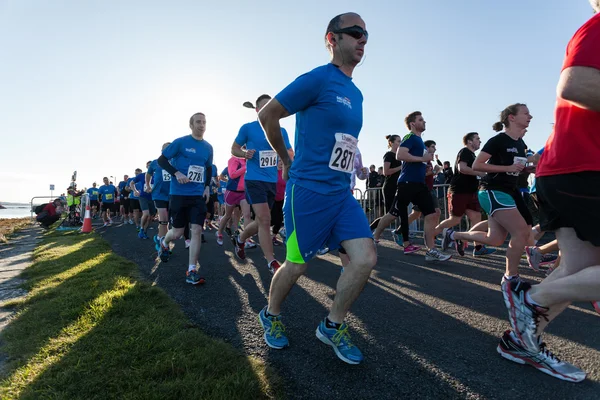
pixel 427 330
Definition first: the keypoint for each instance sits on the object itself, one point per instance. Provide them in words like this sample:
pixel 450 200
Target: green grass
pixel 91 328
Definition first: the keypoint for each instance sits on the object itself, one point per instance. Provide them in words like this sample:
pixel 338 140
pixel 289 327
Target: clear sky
pixel 99 86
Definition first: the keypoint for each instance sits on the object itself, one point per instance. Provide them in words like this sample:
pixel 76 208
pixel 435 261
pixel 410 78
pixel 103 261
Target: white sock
pixel 191 268
pixel 452 236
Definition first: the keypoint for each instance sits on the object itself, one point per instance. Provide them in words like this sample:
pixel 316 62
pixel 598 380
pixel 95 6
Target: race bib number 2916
pixel 343 153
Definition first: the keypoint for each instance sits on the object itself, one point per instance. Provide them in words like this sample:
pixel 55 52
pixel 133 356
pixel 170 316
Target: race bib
pixel 196 173
pixel 268 158
pixel 108 196
pixel 344 150
pixel 145 187
pixel 166 176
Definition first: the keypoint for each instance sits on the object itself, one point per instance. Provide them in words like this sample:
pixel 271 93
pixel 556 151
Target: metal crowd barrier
pixel 373 205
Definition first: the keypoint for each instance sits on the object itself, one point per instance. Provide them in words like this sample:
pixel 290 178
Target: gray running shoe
pixel 544 360
pixel 523 316
pixel 534 257
pixel 435 255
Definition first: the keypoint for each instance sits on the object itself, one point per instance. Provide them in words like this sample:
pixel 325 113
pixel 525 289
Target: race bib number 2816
pixel 343 153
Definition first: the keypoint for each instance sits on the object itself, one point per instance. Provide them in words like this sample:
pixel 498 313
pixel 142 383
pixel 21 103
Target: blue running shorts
pixel 313 220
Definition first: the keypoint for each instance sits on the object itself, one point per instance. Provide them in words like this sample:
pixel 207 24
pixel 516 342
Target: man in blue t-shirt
pixel 107 194
pixel 260 181
pixel 94 203
pixel 160 196
pixel 412 189
pixel 143 194
pixel 124 203
pixel 189 160
pixel 319 207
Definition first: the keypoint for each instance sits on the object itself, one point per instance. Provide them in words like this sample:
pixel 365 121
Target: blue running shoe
pixel 339 339
pixel 484 251
pixel 398 238
pixel 193 277
pixel 156 242
pixel 164 252
pixel 274 330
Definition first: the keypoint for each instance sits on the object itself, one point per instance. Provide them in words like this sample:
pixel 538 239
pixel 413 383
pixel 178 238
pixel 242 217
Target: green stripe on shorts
pixel 293 253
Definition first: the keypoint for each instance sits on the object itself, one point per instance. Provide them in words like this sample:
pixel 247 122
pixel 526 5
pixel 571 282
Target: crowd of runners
pixel 304 195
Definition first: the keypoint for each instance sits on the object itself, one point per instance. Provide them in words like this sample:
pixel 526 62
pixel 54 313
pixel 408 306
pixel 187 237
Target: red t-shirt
pixel 574 145
pixel 50 209
pixel 429 178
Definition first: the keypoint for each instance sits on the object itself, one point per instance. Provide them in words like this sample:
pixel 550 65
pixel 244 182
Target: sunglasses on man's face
pixel 355 31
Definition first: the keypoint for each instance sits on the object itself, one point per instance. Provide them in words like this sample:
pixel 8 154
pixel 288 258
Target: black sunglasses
pixel 355 31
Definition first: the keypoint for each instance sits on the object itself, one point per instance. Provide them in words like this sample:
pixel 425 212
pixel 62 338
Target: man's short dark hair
pixel 261 98
pixel 428 143
pixel 412 117
pixel 469 136
pixel 192 117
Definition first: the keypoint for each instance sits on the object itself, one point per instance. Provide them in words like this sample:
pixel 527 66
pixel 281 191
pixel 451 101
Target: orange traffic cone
pixel 87 220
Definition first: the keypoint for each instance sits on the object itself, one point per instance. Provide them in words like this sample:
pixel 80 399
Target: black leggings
pixel 277 216
pixel 389 194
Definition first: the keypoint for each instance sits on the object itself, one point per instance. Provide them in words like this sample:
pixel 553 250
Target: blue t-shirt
pixel 107 193
pixel 162 182
pixel 533 188
pixel 263 165
pixel 93 192
pixel 413 171
pixel 214 182
pixel 328 108
pixel 131 193
pixel 192 158
pixel 140 183
pixel 222 187
pixel 225 172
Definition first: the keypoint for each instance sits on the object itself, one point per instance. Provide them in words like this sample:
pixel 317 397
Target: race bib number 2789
pixel 343 153
pixel 196 173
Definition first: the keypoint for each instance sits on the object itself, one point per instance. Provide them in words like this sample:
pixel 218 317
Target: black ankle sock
pixel 331 325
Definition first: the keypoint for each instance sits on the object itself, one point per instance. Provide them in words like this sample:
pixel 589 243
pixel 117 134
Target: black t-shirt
pixel 462 183
pixel 503 150
pixel 391 158
pixel 448 175
pixel 523 180
pixel 372 179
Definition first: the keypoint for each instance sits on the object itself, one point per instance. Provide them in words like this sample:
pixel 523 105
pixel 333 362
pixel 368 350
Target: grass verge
pixel 9 225
pixel 91 328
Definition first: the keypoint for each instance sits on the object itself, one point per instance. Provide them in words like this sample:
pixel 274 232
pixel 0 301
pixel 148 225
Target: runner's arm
pixel 402 154
pixel 269 117
pixel 581 87
pixel 166 165
pixel 464 169
pixel 234 169
pixel 480 165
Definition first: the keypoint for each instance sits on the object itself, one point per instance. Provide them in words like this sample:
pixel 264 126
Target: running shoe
pixel 322 251
pixel 596 305
pixel 483 251
pixel 398 238
pixel 460 247
pixel 548 259
pixel 188 242
pixel 130 222
pixel 543 360
pixel 219 238
pixel 251 244
pixel 446 238
pixel 411 248
pixel 273 266
pixel 142 234
pixel 276 242
pixel 523 316
pixel 238 247
pixel 505 279
pixel 156 240
pixel 274 330
pixel 193 277
pixel 434 255
pixel 163 251
pixel 282 233
pixel 339 340
pixel 228 231
pixel 534 257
